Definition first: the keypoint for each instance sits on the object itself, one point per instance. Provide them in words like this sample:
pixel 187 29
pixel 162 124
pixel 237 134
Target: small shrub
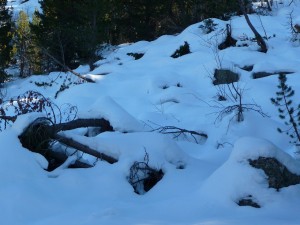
pixel 66 84
pixel 43 84
pixel 248 201
pixel 208 26
pixel 286 110
pixel 229 40
pixel 183 50
pixel 136 56
pixel 32 101
pixel 179 85
pixel 165 86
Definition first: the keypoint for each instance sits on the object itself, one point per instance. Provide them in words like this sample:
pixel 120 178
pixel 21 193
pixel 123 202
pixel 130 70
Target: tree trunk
pixel 65 67
pixel 38 135
pixel 269 5
pixel 78 123
pixel 260 40
pixel 83 148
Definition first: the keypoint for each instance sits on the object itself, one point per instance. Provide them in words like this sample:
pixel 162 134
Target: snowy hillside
pixel 204 178
pixel 28 6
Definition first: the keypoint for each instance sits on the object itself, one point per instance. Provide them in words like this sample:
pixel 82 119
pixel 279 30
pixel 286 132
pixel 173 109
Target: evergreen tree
pixel 134 20
pixel 39 61
pixel 286 109
pixel 70 30
pixel 23 45
pixel 5 39
pixel 92 27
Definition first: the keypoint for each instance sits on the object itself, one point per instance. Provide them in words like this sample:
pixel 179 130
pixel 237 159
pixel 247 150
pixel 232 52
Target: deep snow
pixel 137 96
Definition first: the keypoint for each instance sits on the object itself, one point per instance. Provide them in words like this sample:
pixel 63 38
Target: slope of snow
pixel 139 96
pixel 22 5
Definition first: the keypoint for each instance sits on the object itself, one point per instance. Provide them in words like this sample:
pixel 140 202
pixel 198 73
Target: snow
pixel 202 180
pixel 29 6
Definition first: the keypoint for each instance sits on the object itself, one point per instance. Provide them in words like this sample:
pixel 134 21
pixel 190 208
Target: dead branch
pixel 259 39
pixel 30 101
pixel 142 177
pixel 292 1
pixel 269 5
pixel 83 148
pixel 177 132
pixel 229 40
pixel 293 28
pixel 9 118
pixel 238 108
pixel 58 158
pixel 65 67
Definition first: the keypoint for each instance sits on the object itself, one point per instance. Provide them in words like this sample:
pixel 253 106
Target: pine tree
pixel 70 30
pixel 28 55
pixel 23 45
pixel 136 20
pixel 5 37
pixel 39 61
pixel 149 19
pixel 286 109
pixel 92 27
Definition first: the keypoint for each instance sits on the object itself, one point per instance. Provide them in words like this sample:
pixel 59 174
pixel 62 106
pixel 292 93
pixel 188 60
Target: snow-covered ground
pixel 29 6
pixel 138 96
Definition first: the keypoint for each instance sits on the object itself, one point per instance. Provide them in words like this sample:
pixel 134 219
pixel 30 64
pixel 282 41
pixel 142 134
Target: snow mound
pixel 237 179
pixel 118 117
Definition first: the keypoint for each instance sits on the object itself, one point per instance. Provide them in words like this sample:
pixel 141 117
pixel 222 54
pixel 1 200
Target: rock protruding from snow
pixel 236 179
pixel 225 76
pixel 278 175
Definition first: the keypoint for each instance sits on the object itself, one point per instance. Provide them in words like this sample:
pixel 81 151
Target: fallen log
pixel 83 148
pixel 37 137
pixel 79 123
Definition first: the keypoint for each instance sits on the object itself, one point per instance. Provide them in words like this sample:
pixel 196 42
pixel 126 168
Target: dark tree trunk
pixel 38 135
pixel 78 123
pixel 83 148
pixel 259 39
pixel 229 40
pixel 65 67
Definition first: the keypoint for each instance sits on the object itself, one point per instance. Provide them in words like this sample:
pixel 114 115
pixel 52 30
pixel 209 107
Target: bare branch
pixel 46 52
pixel 177 132
pixel 84 148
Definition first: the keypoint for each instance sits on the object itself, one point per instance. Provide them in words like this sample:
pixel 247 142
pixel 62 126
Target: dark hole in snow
pixel 142 177
pixel 180 167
